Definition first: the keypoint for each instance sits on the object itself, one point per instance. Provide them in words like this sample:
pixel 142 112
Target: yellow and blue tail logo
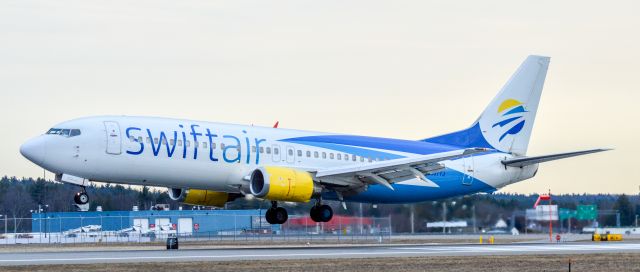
pixel 512 113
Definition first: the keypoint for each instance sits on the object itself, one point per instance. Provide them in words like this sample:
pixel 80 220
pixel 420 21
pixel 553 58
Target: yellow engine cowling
pixel 283 184
pixel 201 197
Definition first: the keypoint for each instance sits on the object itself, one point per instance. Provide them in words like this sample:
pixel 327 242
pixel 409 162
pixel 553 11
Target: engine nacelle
pixel 283 184
pixel 201 197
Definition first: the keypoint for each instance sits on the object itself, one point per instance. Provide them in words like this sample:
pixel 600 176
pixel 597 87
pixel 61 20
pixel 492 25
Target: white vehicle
pixel 209 164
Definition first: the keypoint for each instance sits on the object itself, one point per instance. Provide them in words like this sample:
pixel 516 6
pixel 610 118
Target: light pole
pixel 444 215
pixel 6 217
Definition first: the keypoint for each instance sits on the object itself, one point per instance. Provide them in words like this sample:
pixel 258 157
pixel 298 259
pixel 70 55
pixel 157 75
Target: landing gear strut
pixel 81 198
pixel 275 214
pixel 321 213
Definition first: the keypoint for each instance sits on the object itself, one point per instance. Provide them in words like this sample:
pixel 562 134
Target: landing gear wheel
pixel 321 213
pixel 281 216
pixel 314 213
pixel 325 213
pixel 81 198
pixel 276 215
pixel 269 216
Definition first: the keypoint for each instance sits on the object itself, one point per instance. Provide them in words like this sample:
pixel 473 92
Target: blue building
pixel 181 221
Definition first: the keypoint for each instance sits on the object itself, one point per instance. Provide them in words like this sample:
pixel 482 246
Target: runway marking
pixel 333 253
pixel 338 254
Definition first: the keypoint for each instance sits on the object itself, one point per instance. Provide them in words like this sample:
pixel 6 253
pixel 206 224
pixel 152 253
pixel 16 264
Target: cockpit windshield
pixel 64 132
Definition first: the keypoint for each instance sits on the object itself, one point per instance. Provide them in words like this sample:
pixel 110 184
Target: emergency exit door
pixel 114 143
pixel 467 170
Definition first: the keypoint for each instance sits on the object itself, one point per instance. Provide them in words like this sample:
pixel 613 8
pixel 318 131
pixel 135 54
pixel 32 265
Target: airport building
pixel 148 221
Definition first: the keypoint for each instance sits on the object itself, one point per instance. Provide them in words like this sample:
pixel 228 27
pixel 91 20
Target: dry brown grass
pixel 521 263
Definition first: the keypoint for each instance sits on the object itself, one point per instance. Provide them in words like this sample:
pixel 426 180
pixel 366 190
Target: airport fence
pixel 42 229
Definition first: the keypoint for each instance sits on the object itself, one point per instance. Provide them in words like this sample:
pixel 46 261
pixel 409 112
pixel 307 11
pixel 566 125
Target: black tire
pixel 280 215
pixel 269 216
pixel 313 213
pixel 81 198
pixel 325 213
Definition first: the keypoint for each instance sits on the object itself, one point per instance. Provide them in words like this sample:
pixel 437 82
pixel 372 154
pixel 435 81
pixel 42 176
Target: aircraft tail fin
pixel 506 123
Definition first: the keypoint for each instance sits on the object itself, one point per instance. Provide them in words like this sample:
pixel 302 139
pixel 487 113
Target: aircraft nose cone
pixel 34 150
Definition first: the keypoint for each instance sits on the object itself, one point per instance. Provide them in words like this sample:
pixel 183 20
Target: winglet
pixel 276 124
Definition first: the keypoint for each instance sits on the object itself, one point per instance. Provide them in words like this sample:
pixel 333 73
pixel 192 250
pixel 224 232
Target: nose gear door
pixel 114 142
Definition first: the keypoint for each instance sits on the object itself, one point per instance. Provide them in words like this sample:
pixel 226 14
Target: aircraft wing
pixel 387 172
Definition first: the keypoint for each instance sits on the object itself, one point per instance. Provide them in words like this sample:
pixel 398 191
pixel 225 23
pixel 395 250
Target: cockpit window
pixel 64 132
pixel 54 131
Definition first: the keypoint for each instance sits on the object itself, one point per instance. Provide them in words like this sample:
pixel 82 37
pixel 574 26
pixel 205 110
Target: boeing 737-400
pixel 210 164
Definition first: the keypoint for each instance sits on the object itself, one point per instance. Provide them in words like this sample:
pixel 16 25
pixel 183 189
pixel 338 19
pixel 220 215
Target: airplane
pixel 210 164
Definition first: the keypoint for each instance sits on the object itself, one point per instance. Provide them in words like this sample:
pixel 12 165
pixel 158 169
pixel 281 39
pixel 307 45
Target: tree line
pixel 21 196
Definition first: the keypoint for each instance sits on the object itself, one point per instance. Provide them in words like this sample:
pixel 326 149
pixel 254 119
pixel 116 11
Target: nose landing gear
pixel 81 198
pixel 275 214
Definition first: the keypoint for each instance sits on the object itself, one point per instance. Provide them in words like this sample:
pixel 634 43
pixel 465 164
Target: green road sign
pixel 567 213
pixel 587 212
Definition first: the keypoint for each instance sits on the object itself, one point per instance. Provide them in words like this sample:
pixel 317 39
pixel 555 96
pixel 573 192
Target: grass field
pixel 538 263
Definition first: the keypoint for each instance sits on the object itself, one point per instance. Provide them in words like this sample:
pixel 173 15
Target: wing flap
pixel 388 172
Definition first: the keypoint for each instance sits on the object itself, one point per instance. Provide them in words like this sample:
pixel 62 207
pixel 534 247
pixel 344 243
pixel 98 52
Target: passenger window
pixel 370 160
pixel 315 154
pixel 148 140
pixel 164 141
pixel 346 157
pixel 290 152
pixel 361 159
pixel 155 140
pixel 308 154
pixel 324 155
pixel 196 144
pixel 276 151
pixel 132 139
pixel 221 146
pixel 331 156
pixel 261 149
pixel 213 145
pixel 204 144
pixel 339 156
pixel 354 157
pixel 171 141
pixel 140 139
pixel 74 132
pixel 179 142
pixel 253 149
pixel 299 153
pixel 268 150
pixel 188 143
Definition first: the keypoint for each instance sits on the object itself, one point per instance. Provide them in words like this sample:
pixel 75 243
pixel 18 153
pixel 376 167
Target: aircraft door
pixel 467 170
pixel 275 153
pixel 291 154
pixel 114 143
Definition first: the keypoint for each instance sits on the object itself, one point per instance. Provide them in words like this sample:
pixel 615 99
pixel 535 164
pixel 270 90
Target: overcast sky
pixel 403 69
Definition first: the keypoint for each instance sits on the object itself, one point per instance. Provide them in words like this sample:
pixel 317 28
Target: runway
pixel 75 257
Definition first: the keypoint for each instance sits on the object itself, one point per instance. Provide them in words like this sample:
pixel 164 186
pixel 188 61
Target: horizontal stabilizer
pixel 524 161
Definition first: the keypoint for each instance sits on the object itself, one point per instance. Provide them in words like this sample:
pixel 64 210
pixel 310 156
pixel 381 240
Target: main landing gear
pixel 275 214
pixel 321 213
pixel 81 198
pixel 278 215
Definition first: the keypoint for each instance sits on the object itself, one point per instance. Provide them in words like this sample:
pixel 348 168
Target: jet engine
pixel 201 197
pixel 283 184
